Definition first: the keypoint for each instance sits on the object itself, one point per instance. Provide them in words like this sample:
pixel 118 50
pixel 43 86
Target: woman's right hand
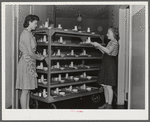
pixel 47 59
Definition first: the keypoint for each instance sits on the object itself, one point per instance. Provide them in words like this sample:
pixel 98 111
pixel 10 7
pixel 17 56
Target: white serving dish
pixel 62 93
pixel 89 89
pixel 89 77
pixel 76 78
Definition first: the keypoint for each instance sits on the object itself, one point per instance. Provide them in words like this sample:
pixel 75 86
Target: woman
pixel 26 72
pixel 108 72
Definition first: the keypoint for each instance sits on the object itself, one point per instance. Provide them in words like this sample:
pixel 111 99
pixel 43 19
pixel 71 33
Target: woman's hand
pixel 46 59
pixel 42 57
pixel 95 44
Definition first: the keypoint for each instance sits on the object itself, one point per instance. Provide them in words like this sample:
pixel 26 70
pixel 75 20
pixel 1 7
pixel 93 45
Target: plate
pixel 65 29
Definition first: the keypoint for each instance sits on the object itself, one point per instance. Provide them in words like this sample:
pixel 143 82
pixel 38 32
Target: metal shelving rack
pixel 70 33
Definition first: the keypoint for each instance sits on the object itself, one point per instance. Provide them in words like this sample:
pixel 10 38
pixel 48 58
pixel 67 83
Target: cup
pixel 59 77
pixel 70 88
pixel 56 79
pixel 71 77
pixel 66 75
pixel 71 64
pixel 84 74
pixel 84 86
pixel 88 40
pixel 75 27
pixel 40 94
pixel 46 24
pixel 61 40
pixel 57 90
pixel 58 52
pixel 58 66
pixel 44 39
pixel 72 52
pixel 41 65
pixel 59 26
pixel 39 80
pixel 84 52
pixel 44 52
pixel 88 29
pixel 42 78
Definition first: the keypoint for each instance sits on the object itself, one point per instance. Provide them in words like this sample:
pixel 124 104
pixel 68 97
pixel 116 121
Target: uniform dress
pixel 26 72
pixel 108 71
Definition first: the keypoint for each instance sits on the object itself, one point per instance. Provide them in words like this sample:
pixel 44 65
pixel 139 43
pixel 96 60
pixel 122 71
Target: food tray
pixel 68 80
pixel 85 55
pixel 54 82
pixel 55 69
pixel 59 95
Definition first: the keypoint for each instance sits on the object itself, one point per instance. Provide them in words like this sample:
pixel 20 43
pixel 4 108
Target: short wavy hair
pixel 115 32
pixel 30 18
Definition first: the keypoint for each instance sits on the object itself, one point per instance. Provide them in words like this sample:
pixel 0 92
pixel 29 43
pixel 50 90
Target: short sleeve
pixel 114 43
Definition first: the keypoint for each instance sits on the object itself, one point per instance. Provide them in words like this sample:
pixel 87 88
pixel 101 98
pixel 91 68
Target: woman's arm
pixel 107 50
pixel 28 45
pixel 100 49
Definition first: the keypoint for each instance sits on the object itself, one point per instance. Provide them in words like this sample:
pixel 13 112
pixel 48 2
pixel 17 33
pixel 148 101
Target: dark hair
pixel 115 32
pixel 30 18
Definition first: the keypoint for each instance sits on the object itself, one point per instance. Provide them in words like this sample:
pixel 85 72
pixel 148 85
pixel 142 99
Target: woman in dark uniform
pixel 108 72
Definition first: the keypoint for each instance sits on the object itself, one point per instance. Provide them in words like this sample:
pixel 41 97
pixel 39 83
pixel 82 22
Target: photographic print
pixel 75 60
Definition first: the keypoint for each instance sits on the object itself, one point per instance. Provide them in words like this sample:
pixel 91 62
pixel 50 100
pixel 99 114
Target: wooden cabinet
pixel 72 66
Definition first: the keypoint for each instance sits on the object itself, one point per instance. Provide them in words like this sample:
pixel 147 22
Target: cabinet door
pixel 137 89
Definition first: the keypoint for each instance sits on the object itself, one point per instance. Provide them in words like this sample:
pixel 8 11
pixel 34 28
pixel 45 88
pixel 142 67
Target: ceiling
pixel 86 11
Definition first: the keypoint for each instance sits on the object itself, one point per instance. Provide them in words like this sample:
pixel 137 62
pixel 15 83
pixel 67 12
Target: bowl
pixel 89 89
pixel 76 78
pixel 75 90
pixel 88 77
pixel 39 81
pixel 71 77
pixel 45 68
pixel 44 82
pixel 62 93
pixel 62 68
pixel 62 81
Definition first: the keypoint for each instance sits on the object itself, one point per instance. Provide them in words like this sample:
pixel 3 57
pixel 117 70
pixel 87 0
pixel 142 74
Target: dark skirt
pixel 108 71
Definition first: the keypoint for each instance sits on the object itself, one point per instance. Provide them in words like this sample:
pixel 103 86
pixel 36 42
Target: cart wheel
pixel 52 106
pixel 33 104
pixel 96 98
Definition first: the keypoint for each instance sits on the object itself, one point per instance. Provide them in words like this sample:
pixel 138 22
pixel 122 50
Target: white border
pixel 59 114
